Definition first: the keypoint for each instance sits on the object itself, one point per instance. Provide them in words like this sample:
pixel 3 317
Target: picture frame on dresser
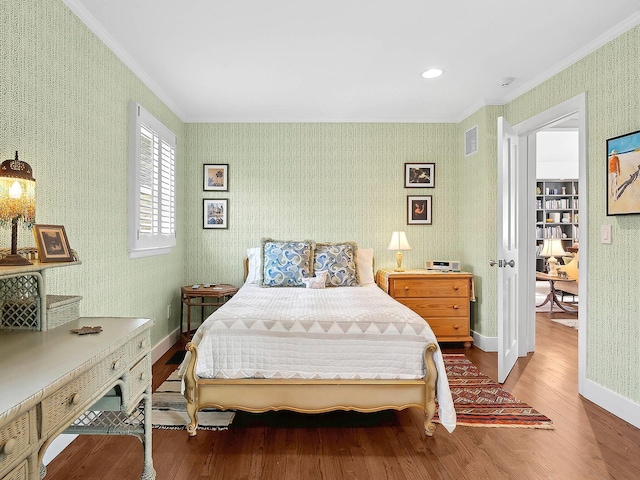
pixel 215 213
pixel 419 175
pixel 52 243
pixel 216 177
pixel 623 169
pixel 419 210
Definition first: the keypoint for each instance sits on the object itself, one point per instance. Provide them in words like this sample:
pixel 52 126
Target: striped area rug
pixel 481 402
pixel 169 409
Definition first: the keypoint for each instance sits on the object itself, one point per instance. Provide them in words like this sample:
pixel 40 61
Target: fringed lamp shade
pixel 17 203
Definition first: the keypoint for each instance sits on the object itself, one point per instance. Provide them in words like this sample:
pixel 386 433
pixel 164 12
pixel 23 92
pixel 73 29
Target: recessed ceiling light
pixel 432 73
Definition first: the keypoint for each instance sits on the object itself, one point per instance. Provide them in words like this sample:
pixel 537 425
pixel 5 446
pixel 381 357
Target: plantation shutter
pixel 153 164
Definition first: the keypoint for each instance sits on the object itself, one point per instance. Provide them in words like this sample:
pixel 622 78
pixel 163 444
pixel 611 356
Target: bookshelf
pixel 556 214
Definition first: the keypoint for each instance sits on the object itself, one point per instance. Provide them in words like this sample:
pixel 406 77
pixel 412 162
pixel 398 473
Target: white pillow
pixel 364 265
pixel 319 281
pixel 254 274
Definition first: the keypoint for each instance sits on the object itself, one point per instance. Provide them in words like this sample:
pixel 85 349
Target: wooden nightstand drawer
pixel 445 287
pixel 449 327
pixel 437 307
pixel 14 440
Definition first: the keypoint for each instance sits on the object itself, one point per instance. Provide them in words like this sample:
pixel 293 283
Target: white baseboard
pixel 62 441
pixel 612 402
pixel 486 344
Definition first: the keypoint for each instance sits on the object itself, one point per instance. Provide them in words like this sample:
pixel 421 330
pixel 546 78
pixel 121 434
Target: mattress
pixel 331 333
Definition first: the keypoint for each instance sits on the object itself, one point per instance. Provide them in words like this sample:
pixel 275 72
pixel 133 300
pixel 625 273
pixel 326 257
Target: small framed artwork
pixel 216 177
pixel 215 213
pixel 623 169
pixel 419 175
pixel 52 243
pixel 418 209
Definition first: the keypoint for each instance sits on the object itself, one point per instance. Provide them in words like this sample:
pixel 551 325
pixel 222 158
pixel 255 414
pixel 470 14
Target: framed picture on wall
pixel 52 243
pixel 419 175
pixel 216 177
pixel 623 169
pixel 215 213
pixel 418 209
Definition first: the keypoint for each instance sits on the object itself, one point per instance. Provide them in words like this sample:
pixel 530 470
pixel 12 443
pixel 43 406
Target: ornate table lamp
pixel 552 248
pixel 17 203
pixel 399 242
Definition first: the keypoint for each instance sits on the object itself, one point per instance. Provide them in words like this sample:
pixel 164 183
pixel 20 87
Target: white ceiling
pixel 348 60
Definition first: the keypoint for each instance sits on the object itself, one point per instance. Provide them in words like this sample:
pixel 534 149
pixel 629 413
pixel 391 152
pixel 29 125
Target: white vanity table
pixel 54 381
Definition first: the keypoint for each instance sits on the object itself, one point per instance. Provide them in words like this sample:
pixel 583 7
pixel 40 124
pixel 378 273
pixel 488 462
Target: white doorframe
pixel 578 106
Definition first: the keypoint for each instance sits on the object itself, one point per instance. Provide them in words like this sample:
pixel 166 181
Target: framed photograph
pixel 419 175
pixel 216 177
pixel 623 169
pixel 215 213
pixel 52 243
pixel 418 209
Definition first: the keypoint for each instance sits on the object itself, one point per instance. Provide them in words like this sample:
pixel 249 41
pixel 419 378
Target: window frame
pixel 163 205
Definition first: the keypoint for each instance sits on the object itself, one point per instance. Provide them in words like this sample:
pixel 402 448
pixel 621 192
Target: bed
pixel 315 350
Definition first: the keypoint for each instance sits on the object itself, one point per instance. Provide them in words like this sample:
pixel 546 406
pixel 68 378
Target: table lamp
pixel 552 248
pixel 17 203
pixel 399 242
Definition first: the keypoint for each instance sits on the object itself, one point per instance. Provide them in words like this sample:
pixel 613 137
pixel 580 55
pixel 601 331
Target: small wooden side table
pixel 218 293
pixel 552 296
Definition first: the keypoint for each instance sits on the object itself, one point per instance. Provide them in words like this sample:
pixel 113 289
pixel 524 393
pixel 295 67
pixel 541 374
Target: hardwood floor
pixel 587 443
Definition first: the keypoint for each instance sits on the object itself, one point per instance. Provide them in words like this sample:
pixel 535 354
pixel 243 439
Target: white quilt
pixel 335 333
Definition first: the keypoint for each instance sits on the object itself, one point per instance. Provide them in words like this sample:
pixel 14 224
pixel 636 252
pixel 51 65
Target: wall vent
pixel 471 141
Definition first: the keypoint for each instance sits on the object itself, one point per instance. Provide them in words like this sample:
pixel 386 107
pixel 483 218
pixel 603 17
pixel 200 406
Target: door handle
pixel 511 263
pixel 493 263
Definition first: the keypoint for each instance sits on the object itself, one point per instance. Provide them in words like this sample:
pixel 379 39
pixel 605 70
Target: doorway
pixel 574 109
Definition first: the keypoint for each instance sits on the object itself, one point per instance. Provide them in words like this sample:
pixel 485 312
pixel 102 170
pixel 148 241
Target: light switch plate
pixel 605 233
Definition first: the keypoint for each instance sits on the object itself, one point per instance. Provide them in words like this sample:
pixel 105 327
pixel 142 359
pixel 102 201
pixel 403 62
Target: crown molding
pixel 98 30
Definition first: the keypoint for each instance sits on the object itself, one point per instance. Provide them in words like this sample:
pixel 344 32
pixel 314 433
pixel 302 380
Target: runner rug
pixel 169 409
pixel 481 402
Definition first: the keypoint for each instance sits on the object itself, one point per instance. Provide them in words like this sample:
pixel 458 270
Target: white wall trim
pixel 486 344
pixel 164 345
pixel 619 406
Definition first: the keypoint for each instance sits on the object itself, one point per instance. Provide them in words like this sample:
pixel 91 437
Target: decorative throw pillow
pixel 286 264
pixel 319 281
pixel 339 261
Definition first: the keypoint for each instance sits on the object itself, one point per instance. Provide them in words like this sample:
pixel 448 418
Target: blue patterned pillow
pixel 339 261
pixel 286 264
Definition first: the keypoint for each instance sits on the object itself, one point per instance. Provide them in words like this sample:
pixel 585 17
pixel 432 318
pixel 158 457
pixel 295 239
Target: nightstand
pixel 218 293
pixel 441 298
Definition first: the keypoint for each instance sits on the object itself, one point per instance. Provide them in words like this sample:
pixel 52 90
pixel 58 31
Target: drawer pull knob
pixel 75 399
pixel 456 287
pixel 142 344
pixel 142 376
pixel 456 327
pixel 456 307
pixel 406 289
pixel 10 446
pixel 115 365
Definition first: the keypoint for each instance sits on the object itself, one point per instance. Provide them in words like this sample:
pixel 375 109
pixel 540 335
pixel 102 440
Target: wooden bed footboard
pixel 310 396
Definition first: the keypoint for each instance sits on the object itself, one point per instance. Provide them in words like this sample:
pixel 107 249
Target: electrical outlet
pixel 168 312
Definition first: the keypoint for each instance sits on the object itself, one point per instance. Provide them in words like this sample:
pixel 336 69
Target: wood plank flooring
pixel 587 443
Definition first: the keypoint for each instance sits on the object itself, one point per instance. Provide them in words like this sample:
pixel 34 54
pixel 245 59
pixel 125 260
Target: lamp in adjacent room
pixel 552 248
pixel 17 203
pixel 399 243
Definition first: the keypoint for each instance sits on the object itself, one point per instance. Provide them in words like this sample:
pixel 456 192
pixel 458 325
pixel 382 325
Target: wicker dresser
pixel 54 381
pixel 441 298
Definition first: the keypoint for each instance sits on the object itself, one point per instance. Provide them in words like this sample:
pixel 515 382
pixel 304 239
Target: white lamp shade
pixel 399 242
pixel 552 247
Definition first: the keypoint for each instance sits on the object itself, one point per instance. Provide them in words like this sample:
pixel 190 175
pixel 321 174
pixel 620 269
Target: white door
pixel 508 238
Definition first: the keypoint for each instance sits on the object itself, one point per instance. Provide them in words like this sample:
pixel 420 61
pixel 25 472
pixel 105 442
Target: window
pixel 152 184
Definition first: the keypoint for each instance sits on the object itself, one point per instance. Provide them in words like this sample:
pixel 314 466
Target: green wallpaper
pixel 65 100
pixel 326 182
pixel 611 78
